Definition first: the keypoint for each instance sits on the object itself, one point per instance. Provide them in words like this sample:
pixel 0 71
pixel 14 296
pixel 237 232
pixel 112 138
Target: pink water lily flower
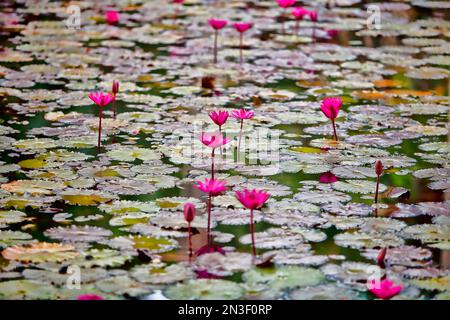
pixel 215 140
pixel 242 114
pixel 332 33
pixel 242 26
pixel 89 296
pixel 101 99
pixel 217 24
pixel 253 199
pixel 213 187
pixel 112 17
pixel 327 177
pixel 286 3
pixel 299 13
pixel 330 108
pixel 219 117
pixel 386 289
pixel 313 15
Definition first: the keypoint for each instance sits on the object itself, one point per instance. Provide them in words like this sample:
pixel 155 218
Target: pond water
pixel 80 219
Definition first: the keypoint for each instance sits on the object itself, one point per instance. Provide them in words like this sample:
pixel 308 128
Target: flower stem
pixel 314 32
pixel 252 231
pixel 334 130
pixel 189 239
pixel 220 148
pixel 209 219
pixel 241 45
pixel 239 142
pixel 376 196
pixel 297 27
pixel 216 34
pixel 376 191
pixel 114 107
pixel 212 164
pixel 99 128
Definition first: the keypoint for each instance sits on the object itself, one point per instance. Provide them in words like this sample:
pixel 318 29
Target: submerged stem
pixel 209 219
pixel 216 34
pixel 334 130
pixel 99 128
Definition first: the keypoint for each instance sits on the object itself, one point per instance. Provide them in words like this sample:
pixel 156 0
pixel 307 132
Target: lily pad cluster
pixel 75 219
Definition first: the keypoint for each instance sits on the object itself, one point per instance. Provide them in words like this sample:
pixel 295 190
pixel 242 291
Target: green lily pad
pixel 205 289
pixel 283 277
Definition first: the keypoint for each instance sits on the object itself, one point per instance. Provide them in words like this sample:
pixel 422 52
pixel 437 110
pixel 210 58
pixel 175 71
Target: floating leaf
pixel 78 234
pixel 427 232
pixel 324 292
pixel 10 238
pixel 9 217
pixel 283 277
pixel 440 284
pixel 26 289
pixel 358 186
pixel 40 252
pixel 274 238
pixel 161 275
pixel 361 240
pixel 152 244
pixel 205 289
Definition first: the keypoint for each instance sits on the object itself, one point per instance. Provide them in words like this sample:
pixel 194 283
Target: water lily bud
pixel 378 168
pixel 380 258
pixel 189 212
pixel 115 87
